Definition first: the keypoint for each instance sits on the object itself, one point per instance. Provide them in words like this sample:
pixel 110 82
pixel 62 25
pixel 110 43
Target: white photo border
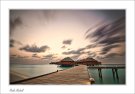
pixel 130 71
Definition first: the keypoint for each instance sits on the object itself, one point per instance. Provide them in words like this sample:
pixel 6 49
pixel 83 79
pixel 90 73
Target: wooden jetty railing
pixel 107 66
pixel 113 67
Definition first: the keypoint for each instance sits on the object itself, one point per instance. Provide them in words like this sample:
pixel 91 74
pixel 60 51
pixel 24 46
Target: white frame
pixel 130 71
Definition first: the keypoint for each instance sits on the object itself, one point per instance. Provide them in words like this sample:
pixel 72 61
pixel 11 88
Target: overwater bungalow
pixel 66 62
pixel 88 61
pixel 70 62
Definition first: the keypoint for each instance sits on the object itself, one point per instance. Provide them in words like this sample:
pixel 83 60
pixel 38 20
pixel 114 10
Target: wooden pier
pixel 75 75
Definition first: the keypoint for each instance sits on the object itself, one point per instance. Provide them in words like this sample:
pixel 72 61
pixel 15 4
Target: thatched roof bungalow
pixel 70 62
pixel 88 61
pixel 66 62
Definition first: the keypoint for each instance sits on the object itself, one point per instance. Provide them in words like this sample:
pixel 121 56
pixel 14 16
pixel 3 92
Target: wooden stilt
pixel 113 72
pixel 116 73
pixel 100 73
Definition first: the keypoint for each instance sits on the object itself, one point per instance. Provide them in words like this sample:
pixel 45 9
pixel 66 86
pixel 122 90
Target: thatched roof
pixel 89 59
pixel 67 59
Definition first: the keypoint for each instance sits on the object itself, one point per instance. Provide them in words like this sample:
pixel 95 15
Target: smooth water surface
pixel 29 71
pixel 107 76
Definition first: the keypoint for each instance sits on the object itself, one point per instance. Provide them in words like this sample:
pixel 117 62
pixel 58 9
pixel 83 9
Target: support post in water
pixel 116 73
pixel 100 72
pixel 113 72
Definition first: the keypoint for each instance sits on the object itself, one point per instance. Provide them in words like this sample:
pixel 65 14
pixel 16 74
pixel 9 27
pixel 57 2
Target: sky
pixel 44 36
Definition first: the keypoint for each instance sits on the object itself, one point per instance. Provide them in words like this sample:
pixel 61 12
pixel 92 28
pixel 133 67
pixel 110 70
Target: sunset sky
pixel 42 36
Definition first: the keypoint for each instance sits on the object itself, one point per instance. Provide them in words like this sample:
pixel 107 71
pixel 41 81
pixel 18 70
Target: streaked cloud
pixel 78 51
pixel 91 46
pixel 49 56
pixel 108 48
pixel 34 48
pixel 111 55
pixel 109 33
pixel 108 36
pixel 14 42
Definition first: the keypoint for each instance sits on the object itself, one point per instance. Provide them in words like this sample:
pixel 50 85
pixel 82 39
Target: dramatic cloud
pixel 108 48
pixel 108 36
pixel 14 23
pixel 67 42
pixel 49 56
pixel 109 33
pixel 34 48
pixel 91 46
pixel 110 55
pixel 79 51
pixel 14 42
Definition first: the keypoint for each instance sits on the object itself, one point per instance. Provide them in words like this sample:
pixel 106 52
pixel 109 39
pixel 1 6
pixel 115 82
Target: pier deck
pixel 75 75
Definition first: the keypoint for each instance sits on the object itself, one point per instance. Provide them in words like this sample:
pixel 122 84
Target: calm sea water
pixel 29 71
pixel 21 72
pixel 107 76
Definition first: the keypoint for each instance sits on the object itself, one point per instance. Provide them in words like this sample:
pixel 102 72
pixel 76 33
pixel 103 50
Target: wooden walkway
pixel 75 75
